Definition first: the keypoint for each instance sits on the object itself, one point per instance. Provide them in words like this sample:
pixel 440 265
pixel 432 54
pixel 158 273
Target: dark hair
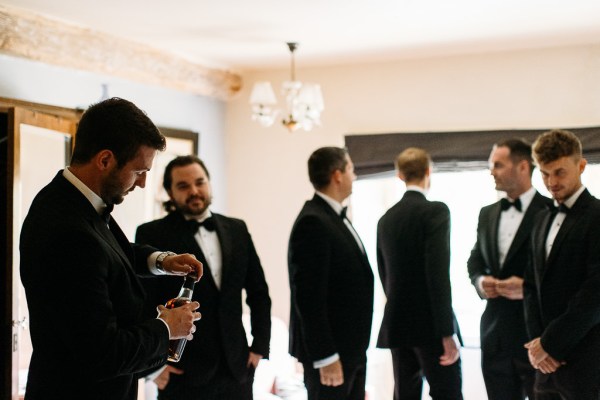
pixel 555 144
pixel 519 150
pixel 180 161
pixel 116 125
pixel 323 162
pixel 413 163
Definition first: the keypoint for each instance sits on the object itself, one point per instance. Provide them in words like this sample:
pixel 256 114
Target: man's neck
pixel 86 176
pixel 333 193
pixel 514 194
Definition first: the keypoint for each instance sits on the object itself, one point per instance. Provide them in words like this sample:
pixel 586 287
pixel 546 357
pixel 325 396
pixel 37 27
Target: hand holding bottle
pixel 180 319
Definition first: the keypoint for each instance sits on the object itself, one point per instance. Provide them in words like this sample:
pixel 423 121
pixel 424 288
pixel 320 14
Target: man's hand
pixel 511 288
pixel 162 380
pixel 253 359
pixel 539 359
pixel 332 374
pixel 180 319
pixel 451 352
pixel 183 264
pixel 488 287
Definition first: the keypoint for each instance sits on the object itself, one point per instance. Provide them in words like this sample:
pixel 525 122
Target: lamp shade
pixel 262 93
pixel 310 95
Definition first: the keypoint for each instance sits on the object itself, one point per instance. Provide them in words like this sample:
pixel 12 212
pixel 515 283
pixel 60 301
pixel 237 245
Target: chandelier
pixel 304 101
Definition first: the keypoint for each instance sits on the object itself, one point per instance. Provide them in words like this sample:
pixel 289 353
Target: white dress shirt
pixel 509 223
pixel 211 248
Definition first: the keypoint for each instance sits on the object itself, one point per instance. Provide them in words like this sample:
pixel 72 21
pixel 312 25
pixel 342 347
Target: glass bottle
pixel 176 346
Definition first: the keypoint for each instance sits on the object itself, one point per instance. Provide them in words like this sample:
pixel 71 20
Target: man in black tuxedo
pixel 79 270
pixel 413 257
pixel 331 285
pixel 496 267
pixel 219 364
pixel 562 286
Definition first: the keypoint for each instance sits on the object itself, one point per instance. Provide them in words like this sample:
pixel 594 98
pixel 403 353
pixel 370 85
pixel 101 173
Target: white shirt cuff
pixel 480 286
pixel 326 361
pixel 167 325
pixel 155 374
pixel 152 264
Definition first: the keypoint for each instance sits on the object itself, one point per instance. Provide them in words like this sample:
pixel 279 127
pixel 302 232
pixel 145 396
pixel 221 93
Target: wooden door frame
pixel 18 114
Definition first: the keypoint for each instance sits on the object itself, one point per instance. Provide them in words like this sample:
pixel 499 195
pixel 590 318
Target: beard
pixel 195 205
pixel 112 189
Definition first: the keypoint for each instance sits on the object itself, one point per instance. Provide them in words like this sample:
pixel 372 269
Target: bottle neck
pixel 187 290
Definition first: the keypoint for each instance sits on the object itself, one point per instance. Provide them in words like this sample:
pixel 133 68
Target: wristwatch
pixel 161 257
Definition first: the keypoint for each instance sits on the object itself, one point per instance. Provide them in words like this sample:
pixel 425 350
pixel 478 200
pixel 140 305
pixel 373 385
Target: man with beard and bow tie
pixel 496 267
pixel 219 363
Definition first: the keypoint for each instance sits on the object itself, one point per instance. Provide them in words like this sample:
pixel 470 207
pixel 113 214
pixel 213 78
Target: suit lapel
pixel 226 243
pixel 524 229
pixel 540 242
pixel 340 224
pixel 570 221
pixel 114 236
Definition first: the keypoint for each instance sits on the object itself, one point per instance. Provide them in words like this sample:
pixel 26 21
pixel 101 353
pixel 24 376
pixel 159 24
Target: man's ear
pixel 104 159
pixel 336 176
pixel 401 176
pixel 582 164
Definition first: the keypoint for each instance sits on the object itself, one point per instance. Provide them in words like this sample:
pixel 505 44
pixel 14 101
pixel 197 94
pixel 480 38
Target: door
pixel 38 145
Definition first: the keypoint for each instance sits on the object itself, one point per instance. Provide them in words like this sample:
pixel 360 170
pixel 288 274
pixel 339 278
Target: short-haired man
pixel 413 257
pixel 219 364
pixel 562 287
pixel 496 267
pixel 79 270
pixel 331 285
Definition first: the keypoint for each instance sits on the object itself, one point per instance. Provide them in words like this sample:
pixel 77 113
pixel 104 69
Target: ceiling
pixel 243 35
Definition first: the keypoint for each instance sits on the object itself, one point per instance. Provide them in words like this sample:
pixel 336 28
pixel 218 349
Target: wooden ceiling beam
pixel 31 36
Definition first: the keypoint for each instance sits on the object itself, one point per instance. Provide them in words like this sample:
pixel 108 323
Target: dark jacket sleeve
pixel 257 298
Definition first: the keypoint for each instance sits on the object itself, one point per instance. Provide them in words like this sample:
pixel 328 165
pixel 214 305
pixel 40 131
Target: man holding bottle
pixel 219 364
pixel 79 270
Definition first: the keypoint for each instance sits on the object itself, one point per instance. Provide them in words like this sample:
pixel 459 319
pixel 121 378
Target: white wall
pixel 267 181
pixel 41 83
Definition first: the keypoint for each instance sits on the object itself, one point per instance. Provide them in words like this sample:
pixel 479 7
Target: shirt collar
pixel 97 202
pixel 526 198
pixel 571 200
pixel 416 188
pixel 337 206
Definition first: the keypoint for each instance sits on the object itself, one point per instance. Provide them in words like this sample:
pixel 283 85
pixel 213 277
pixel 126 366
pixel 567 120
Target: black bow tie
pixel 561 208
pixel 343 213
pixel 105 215
pixel 505 204
pixel 208 224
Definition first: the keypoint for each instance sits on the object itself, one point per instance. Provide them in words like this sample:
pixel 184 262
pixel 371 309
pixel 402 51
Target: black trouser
pixel 221 386
pixel 507 377
pixel 353 388
pixel 563 385
pixel 412 363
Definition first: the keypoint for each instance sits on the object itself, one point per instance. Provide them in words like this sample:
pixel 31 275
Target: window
pixel 464 193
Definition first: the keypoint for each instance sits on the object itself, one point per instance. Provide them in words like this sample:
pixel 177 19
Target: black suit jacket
pixel 220 330
pixel 562 292
pixel 85 301
pixel 503 321
pixel 331 288
pixel 413 257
